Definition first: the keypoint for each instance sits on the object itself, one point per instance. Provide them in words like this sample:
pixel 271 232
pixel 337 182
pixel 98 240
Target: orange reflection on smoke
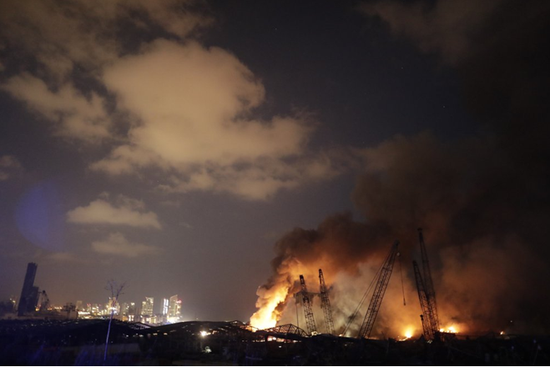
pixel 267 316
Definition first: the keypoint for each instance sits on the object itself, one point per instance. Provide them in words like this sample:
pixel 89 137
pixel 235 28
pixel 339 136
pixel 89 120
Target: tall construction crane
pixel 325 303
pixel 426 327
pixel 382 279
pixel 426 292
pixel 308 311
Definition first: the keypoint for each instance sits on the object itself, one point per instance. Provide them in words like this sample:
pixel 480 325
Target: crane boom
pixel 426 327
pixel 428 284
pixel 325 303
pixel 379 291
pixel 308 311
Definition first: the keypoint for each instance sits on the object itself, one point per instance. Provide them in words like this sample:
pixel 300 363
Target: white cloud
pixel 190 109
pixel 9 165
pixel 194 106
pixel 62 34
pixel 76 115
pixel 129 212
pixel 117 244
pixel 79 37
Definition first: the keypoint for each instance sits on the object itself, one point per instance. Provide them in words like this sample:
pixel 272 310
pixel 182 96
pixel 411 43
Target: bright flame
pixel 408 334
pixel 267 315
pixel 451 329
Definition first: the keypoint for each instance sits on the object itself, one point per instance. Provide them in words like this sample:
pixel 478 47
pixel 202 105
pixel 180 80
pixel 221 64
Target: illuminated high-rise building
pixel 165 305
pixel 174 310
pixel 29 293
pixel 147 315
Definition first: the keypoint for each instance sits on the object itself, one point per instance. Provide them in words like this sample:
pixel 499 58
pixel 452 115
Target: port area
pixel 82 342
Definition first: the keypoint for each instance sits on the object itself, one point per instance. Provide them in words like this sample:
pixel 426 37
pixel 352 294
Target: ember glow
pixel 450 329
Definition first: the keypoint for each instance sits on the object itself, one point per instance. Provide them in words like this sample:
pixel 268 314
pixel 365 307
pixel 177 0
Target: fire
pixel 267 314
pixel 451 329
pixel 273 295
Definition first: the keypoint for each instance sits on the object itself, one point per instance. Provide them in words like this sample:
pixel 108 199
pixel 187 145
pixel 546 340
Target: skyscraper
pixel 29 293
pixel 174 311
pixel 147 310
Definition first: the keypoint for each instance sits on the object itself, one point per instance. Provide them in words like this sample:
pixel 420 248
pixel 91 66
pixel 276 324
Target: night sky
pixel 207 148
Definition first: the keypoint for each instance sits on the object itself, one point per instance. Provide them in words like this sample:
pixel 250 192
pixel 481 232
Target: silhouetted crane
pixel 426 326
pixel 382 281
pixel 308 311
pixel 426 292
pixel 325 303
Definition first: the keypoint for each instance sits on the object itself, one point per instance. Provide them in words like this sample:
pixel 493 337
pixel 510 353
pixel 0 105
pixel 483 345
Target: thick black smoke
pixel 487 199
pixel 483 201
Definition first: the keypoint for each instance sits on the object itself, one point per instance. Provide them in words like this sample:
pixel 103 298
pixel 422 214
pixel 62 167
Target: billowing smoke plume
pixel 483 201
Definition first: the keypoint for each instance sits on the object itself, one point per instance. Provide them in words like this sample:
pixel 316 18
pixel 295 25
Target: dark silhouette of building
pixel 29 293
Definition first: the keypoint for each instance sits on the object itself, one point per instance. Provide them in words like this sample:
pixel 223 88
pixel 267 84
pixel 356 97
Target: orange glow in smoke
pixel 267 316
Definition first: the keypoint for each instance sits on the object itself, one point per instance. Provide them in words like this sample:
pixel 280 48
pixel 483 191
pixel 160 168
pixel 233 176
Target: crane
pixel 426 327
pixel 325 303
pixel 382 279
pixel 426 292
pixel 308 311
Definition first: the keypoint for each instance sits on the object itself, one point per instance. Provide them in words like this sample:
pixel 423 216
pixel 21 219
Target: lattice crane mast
pixel 325 303
pixel 308 310
pixel 426 292
pixel 382 280
pixel 426 327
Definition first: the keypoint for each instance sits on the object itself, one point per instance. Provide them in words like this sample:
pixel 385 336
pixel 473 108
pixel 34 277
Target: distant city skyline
pixel 32 302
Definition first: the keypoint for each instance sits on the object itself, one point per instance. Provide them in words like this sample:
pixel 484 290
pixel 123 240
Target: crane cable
pixel 351 319
pixel 402 285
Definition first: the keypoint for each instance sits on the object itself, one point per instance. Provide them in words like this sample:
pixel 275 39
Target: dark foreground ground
pixel 82 342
